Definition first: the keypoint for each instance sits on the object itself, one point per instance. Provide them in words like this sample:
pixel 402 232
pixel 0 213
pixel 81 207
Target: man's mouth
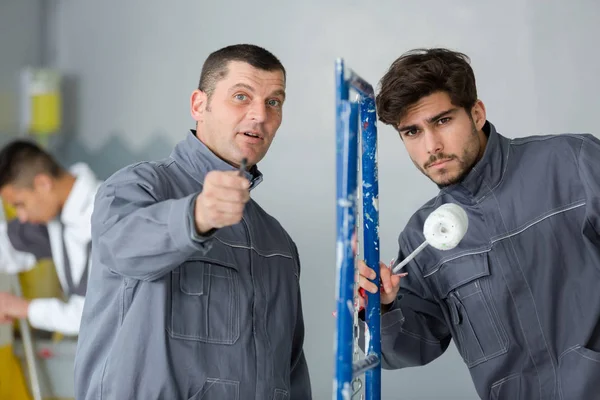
pixel 253 134
pixel 439 162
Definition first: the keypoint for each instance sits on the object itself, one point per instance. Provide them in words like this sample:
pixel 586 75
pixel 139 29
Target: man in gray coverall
pixel 194 290
pixel 520 294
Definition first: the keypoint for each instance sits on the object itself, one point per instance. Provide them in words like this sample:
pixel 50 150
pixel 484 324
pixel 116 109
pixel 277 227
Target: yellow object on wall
pixel 45 113
pixel 43 104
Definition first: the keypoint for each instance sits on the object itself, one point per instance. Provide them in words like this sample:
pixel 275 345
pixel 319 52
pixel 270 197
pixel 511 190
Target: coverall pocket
pixel 218 389
pixel 205 302
pixel 579 374
pixel 476 327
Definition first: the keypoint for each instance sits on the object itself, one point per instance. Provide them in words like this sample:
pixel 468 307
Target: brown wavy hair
pixel 420 73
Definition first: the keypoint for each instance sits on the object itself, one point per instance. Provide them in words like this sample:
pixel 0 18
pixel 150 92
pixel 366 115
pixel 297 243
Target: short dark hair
pixel 215 66
pixel 421 72
pixel 22 160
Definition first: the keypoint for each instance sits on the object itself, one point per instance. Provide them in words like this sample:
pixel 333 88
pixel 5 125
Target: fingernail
pixel 402 275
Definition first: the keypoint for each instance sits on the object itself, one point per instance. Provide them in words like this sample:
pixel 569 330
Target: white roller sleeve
pixel 444 228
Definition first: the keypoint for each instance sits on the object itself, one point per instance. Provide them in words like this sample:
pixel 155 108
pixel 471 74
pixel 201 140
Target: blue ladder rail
pixel 354 118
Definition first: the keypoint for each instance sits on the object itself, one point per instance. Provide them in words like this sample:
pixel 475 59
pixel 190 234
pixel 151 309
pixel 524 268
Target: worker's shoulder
pixel 142 171
pixel 556 151
pixel 552 141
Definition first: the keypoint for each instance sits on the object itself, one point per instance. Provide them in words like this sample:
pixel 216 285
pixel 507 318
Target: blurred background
pixel 119 75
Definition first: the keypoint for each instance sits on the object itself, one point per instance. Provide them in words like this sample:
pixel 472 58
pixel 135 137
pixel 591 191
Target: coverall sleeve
pixel 413 329
pixel 137 233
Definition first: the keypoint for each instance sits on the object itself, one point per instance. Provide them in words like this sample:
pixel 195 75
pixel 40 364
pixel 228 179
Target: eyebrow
pixel 279 92
pixel 242 86
pixel 429 120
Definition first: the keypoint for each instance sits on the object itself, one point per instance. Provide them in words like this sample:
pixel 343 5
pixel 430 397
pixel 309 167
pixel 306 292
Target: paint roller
pixel 443 229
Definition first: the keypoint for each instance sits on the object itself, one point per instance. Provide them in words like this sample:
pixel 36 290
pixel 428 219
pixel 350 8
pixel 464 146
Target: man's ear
pixel 43 183
pixel 198 102
pixel 478 114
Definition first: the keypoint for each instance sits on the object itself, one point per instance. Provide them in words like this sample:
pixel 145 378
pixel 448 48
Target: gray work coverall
pixel 520 295
pixel 170 315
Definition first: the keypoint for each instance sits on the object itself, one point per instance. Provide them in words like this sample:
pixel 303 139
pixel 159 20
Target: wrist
pixel 22 309
pixel 202 229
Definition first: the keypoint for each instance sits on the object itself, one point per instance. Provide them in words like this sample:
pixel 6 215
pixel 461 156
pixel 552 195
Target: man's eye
pixel 274 103
pixel 241 97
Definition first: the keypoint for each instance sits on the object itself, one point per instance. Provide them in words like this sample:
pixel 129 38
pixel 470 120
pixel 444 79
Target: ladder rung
pixel 360 367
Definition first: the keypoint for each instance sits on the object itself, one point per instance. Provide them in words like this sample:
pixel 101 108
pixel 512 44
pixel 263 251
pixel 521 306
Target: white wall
pixel 136 62
pixel 20 45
